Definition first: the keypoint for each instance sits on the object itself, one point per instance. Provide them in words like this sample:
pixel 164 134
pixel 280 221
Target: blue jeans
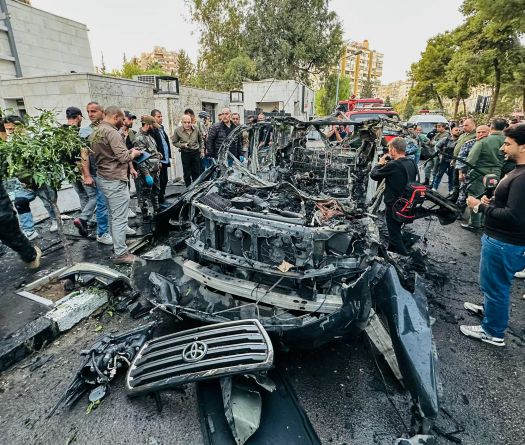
pixel 101 212
pixel 499 262
pixel 24 196
pixel 444 167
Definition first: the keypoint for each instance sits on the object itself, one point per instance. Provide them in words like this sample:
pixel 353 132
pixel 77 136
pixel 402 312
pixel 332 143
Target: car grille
pixel 208 352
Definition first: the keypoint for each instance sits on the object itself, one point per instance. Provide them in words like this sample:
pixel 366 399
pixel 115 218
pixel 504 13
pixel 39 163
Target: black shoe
pixel 81 225
pixel 470 228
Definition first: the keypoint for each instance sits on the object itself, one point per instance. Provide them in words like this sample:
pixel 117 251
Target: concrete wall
pixel 46 43
pixel 61 91
pixel 279 94
pixel 193 98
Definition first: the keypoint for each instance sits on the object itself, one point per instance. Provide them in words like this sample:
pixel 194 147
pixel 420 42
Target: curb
pixel 37 334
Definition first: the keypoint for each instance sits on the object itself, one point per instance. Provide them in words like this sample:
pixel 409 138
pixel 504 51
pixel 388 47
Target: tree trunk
pixel 464 107
pixel 523 102
pixel 61 234
pixel 456 107
pixel 497 85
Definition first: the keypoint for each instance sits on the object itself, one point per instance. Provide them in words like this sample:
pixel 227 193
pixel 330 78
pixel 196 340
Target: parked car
pixel 427 121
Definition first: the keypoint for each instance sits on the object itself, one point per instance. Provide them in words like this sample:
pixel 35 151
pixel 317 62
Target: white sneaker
pixel 478 333
pixel 131 214
pixel 476 309
pixel 520 274
pixel 32 235
pixel 130 231
pixel 105 239
pixel 53 227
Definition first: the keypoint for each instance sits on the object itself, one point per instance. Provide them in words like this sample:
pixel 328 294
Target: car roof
pixel 433 118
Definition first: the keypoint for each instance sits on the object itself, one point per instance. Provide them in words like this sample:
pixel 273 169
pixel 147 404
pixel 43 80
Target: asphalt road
pixel 339 385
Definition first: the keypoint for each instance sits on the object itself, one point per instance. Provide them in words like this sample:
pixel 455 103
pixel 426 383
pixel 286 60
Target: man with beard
pixel 112 158
pixel 502 243
pixel 147 181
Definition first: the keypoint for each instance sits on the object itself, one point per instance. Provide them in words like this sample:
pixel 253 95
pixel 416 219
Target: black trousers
pixel 10 233
pixel 395 238
pixel 163 182
pixel 191 165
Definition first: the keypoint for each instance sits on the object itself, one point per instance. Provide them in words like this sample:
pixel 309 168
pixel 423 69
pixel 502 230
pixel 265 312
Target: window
pixel 210 109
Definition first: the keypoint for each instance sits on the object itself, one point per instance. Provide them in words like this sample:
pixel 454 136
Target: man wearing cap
pixel 112 158
pixel 147 182
pixel 163 146
pixel 190 142
pixel 86 194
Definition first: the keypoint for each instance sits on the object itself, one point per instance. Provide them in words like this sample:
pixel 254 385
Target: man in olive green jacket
pixel 488 159
pixel 469 128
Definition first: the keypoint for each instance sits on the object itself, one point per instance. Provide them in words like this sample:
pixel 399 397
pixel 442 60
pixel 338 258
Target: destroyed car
pixel 290 238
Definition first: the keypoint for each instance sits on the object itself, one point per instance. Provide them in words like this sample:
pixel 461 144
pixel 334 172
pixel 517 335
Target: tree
pixel 221 27
pixel 429 72
pixel 388 103
pixel 492 31
pixel 368 89
pixel 185 68
pixel 293 40
pixel 132 68
pixel 41 153
pixel 325 100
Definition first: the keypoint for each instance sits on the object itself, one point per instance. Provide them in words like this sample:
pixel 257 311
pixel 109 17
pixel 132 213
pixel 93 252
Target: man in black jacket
pixel 163 147
pixel 219 132
pixel 397 170
pixel 502 244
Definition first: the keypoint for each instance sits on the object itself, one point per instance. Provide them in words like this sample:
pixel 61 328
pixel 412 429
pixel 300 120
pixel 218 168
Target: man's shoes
pixel 475 309
pixel 31 235
pixel 478 333
pixel 105 239
pixel 127 258
pixel 520 274
pixel 131 214
pixel 130 231
pixel 82 227
pixel 54 227
pixel 470 228
pixel 36 261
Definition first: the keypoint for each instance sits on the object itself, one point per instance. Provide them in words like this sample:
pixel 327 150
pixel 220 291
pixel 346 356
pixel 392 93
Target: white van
pixel 427 122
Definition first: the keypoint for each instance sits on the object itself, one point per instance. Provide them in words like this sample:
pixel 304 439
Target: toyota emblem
pixel 194 352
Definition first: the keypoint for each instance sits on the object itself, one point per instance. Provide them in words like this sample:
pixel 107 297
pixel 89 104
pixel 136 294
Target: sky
pixel 397 28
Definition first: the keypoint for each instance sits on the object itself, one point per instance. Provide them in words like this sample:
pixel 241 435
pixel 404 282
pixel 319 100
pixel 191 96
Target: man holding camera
pixel 190 142
pixel 397 170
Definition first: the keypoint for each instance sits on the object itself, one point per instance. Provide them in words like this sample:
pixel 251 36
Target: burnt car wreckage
pixel 284 246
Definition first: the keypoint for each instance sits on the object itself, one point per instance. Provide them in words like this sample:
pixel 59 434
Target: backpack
pixel 405 208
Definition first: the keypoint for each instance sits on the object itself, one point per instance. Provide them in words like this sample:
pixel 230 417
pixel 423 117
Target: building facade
pixel 272 95
pixel 167 60
pixel 35 43
pixel 361 64
pixel 396 91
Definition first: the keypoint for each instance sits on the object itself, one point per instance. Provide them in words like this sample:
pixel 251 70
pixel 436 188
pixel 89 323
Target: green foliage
pixel 368 89
pixel 293 40
pixel 221 27
pixel 325 102
pixel 261 39
pixel 132 68
pixel 41 152
pixel 185 70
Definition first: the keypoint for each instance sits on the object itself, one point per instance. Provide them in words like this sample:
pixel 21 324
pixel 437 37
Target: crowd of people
pixel 474 158
pixel 111 154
